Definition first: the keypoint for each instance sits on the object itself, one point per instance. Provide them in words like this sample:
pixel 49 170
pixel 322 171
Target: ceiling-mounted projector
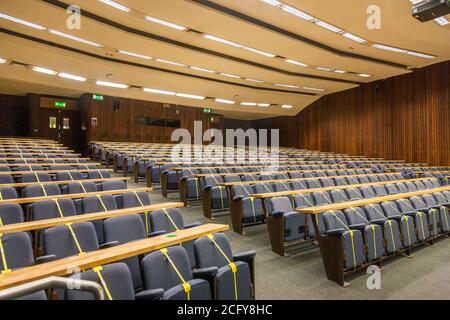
pixel 431 9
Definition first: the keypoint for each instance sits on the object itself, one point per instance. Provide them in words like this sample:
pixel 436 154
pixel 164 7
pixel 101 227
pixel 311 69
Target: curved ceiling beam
pixel 183 45
pixel 235 14
pixel 134 64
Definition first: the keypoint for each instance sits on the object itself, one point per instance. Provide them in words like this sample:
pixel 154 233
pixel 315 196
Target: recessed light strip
pixel 116 5
pixel 23 22
pixel 2 60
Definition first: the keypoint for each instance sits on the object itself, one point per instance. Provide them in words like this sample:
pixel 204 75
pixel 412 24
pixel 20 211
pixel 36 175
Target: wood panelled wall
pixel 13 116
pixel 116 119
pixel 288 129
pixel 405 117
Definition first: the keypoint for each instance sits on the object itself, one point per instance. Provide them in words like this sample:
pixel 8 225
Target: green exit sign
pixel 97 97
pixel 207 110
pixel 60 104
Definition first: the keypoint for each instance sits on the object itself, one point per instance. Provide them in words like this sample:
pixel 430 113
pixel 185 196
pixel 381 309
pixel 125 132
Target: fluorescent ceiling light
pixel 25 23
pixel 328 26
pixel 253 80
pixel 115 5
pixel 287 106
pixel 68 36
pixel 270 55
pixel 248 103
pixel 286 85
pixel 229 75
pixel 297 12
pixel 44 70
pixel 414 2
pixel 388 48
pixel 112 84
pixel 364 75
pixel 213 38
pixel 71 77
pixel 171 62
pixel 340 71
pixel 169 93
pixel 441 21
pixel 313 89
pixel 324 69
pixel 202 69
pixel 353 37
pixel 296 62
pixel 274 3
pixel 421 55
pixel 224 101
pixel 190 96
pixel 2 60
pixel 165 23
pixel 137 55
pixel 263 104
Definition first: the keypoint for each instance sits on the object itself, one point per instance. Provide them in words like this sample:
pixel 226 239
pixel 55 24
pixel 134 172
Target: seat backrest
pixel 340 181
pixel 8 193
pixel 356 215
pixel 390 208
pixel 208 255
pixel 158 271
pixel 17 249
pixel 335 220
pixel 113 185
pixel 232 179
pixel 282 186
pixel 401 187
pixel 124 229
pixel 380 190
pixel 327 182
pixel 420 185
pixel 313 183
pixel 338 195
pixel 41 191
pixel 212 180
pixel 283 204
pixel 363 179
pixel 303 200
pixel 392 188
pixel 418 202
pixel 11 213
pixel 373 178
pixel 95 204
pixel 298 185
pixel 411 186
pixel 164 220
pixel 242 190
pixel 50 209
pixel 321 198
pixel 60 241
pixel 261 187
pixel 295 175
pixel 117 277
pixel 81 187
pixel 98 174
pixel 368 192
pixel 29 168
pixel 352 180
pixel 67 176
pixel 430 200
pixel 35 177
pixel 136 199
pixel 354 194
pixel 405 205
pixel 440 198
pixel 374 212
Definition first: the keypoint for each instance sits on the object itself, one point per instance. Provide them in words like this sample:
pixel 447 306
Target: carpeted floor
pixel 426 275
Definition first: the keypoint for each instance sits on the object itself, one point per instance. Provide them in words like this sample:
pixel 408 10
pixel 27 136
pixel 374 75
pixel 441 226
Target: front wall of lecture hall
pixel 224 150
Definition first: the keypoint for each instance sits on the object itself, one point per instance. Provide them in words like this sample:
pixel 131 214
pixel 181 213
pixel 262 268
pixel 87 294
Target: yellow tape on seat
pixel 98 271
pixel 186 286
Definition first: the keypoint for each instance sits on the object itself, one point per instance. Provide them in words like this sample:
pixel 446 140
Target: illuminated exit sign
pixel 97 97
pixel 207 110
pixel 60 104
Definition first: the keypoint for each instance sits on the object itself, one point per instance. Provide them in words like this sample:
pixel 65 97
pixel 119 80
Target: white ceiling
pixel 398 28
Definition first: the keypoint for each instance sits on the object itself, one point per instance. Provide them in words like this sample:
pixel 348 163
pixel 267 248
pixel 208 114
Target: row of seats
pixel 38 167
pixel 59 176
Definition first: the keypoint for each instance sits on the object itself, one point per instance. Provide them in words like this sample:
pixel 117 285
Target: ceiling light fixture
pixel 287 106
pixel 137 55
pixel 296 62
pixel 324 69
pixel 340 71
pixel 217 39
pixel 313 89
pixel 224 101
pixel 44 70
pixel 168 93
pixel 263 53
pixel 190 96
pixel 442 21
pixel 171 62
pixel 328 26
pixel 71 77
pixel 248 103
pixel 68 36
pixel 353 37
pixel 165 23
pixel 264 105
pixel 296 12
pixel 230 75
pixel 116 5
pixel 23 22
pixel 253 80
pixel 420 55
pixel 112 84
pixel 202 69
pixel 286 85
pixel 364 75
pixel 388 48
pixel 2 60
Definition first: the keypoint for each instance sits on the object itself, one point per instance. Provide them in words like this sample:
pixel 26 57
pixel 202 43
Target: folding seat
pixel 232 179
pixel 340 181
pixel 81 187
pixel 352 240
pixel 61 167
pixel 368 192
pixel 170 220
pixel 347 173
pixel 168 272
pixel 363 179
pixel 249 177
pixel 313 183
pixel 282 176
pixel 99 204
pixel 69 176
pixel 234 278
pixel 420 218
pixel 331 173
pixel 411 186
pixel 372 233
pixel 112 185
pixel 338 195
pixel 138 199
pixel 252 210
pixel 352 180
pixel 70 240
pixel 443 205
pixel 5 169
pixel 373 178
pixel 401 187
pixel 218 196
pixel 294 223
pixel 170 176
pixel 326 182
pixel 430 184
pixel 267 176
pixel 126 229
pixel 295 175
pixel 391 188
pixel 50 209
pixel 29 168
pixel 298 185
pixel 380 190
pixel 208 171
pixel 433 214
pixel 11 213
pixel 17 252
pixel 383 177
pixel 281 186
pixel 156 173
pixel 41 191
pixel 360 171
pixel 116 281
pixel 405 222
pixel 309 174
pixel 6 179
pixel 35 177
pixel 98 174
